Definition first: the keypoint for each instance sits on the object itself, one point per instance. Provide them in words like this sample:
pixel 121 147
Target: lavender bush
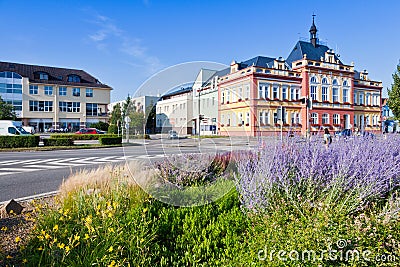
pixel 195 169
pixel 348 175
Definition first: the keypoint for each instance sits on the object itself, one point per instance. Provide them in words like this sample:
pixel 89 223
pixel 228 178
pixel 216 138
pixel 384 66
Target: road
pixel 24 174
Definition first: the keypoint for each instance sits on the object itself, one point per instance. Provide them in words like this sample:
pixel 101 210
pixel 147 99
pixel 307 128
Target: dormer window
pixel 74 78
pixel 41 75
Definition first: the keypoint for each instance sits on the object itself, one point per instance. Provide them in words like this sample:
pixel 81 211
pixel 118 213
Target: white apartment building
pixel 50 97
pixel 205 99
pixel 175 112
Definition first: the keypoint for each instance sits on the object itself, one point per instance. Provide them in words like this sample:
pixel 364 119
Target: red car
pixel 88 131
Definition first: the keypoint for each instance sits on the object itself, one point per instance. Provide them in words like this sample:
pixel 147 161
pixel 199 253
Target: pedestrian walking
pixel 327 137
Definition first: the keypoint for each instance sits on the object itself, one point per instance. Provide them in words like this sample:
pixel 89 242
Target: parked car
pixel 173 135
pixel 89 131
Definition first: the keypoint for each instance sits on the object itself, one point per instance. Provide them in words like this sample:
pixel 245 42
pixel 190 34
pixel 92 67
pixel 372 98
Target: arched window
pixel 324 80
pixel 335 82
pixel 345 83
pixel 74 78
pixel 313 79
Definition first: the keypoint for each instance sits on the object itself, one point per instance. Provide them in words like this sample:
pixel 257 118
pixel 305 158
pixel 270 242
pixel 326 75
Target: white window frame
pixel 325 118
pixel 324 93
pixel 345 96
pixel 336 119
pixel 314 118
pixel 335 97
pixel 313 92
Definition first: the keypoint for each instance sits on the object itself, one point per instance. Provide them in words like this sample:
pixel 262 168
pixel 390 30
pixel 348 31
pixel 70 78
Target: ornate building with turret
pixel 312 89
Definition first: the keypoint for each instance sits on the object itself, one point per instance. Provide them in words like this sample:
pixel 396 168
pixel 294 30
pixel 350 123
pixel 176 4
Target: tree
pixel 6 111
pixel 151 117
pixel 394 94
pixel 103 126
pixel 115 119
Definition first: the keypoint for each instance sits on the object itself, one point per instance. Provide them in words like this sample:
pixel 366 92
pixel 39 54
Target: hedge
pixel 58 142
pixel 110 140
pixel 19 141
pixel 82 136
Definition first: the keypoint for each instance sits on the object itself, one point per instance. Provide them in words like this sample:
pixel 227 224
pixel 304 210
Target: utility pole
pixel 198 130
pixel 127 121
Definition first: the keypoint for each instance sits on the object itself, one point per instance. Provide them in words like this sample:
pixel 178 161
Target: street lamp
pixel 199 114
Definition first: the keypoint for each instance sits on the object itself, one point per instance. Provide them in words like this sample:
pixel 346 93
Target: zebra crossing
pixel 10 167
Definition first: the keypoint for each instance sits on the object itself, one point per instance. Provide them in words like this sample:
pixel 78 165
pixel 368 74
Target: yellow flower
pixel 112 264
pixel 76 237
pixel 47 236
pixel 9 257
pixel 62 245
pixel 110 249
pixel 67 249
pixel 87 236
pixel 4 228
pixel 111 230
pixel 55 228
pixel 17 239
pixel 88 219
pixel 24 261
pixel 39 248
pixel 145 210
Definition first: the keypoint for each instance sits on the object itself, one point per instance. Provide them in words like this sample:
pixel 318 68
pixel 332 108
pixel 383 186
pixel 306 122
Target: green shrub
pixel 82 136
pixel 126 225
pixel 139 136
pixel 58 142
pixel 19 141
pixel 112 129
pixel 110 140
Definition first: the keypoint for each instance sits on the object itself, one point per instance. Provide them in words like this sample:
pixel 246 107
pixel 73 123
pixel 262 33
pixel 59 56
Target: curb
pixel 43 195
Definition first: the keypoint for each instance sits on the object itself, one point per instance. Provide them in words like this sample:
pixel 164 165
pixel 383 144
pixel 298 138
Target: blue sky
pixel 123 43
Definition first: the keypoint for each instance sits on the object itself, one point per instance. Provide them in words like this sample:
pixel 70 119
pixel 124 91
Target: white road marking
pixel 22 169
pixel 6 173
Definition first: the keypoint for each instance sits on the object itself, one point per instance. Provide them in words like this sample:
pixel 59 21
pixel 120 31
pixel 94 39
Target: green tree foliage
pixel 6 111
pixel 151 117
pixel 115 119
pixel 394 94
pixel 103 126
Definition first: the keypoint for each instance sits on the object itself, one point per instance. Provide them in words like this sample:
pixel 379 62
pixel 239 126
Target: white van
pixel 12 128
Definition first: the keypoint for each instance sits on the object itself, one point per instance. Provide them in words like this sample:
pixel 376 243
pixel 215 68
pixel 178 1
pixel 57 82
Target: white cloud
pixel 109 34
pixel 98 36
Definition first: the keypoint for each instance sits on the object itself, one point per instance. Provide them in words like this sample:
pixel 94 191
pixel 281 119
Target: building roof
pixel 313 53
pixel 55 75
pixel 178 91
pixel 219 73
pixel 259 61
